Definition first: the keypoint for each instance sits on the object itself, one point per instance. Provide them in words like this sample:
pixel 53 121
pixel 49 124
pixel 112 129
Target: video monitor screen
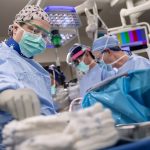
pixel 135 38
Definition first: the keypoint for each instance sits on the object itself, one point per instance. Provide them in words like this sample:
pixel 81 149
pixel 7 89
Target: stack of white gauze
pixel 88 129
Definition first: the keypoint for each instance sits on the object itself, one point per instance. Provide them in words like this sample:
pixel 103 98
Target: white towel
pixel 48 142
pixel 18 131
pixel 88 129
pixel 93 132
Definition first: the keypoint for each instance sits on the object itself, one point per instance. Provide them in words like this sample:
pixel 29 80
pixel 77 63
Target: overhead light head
pixel 65 20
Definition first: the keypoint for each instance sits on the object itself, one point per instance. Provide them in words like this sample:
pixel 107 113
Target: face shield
pixel 75 53
pixel 71 62
pixel 68 59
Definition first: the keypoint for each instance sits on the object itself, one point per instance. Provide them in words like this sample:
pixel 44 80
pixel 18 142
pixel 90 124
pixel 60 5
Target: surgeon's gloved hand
pixel 21 103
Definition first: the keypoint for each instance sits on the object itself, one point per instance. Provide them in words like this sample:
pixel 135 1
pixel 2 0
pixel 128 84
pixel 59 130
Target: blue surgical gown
pixel 93 77
pixel 97 73
pixel 135 62
pixel 20 72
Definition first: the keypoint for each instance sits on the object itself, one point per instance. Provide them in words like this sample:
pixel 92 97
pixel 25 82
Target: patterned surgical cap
pixel 29 12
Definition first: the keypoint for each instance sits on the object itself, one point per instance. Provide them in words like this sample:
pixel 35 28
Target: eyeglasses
pixel 35 29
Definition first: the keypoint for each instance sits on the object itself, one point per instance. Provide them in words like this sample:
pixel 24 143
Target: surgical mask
pixel 83 67
pixel 31 44
pixel 53 89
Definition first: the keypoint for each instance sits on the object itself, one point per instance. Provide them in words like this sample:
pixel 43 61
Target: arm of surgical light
pixel 127 12
pixel 92 26
pixel 92 21
pixel 95 11
pixel 87 4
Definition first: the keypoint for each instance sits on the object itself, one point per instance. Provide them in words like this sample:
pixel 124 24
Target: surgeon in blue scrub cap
pixel 107 51
pixel 24 84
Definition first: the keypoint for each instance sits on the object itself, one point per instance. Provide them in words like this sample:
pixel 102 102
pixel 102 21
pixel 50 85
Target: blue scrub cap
pixel 104 42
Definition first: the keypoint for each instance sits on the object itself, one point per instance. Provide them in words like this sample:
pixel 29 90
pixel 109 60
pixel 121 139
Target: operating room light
pixel 66 20
pixel 63 16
